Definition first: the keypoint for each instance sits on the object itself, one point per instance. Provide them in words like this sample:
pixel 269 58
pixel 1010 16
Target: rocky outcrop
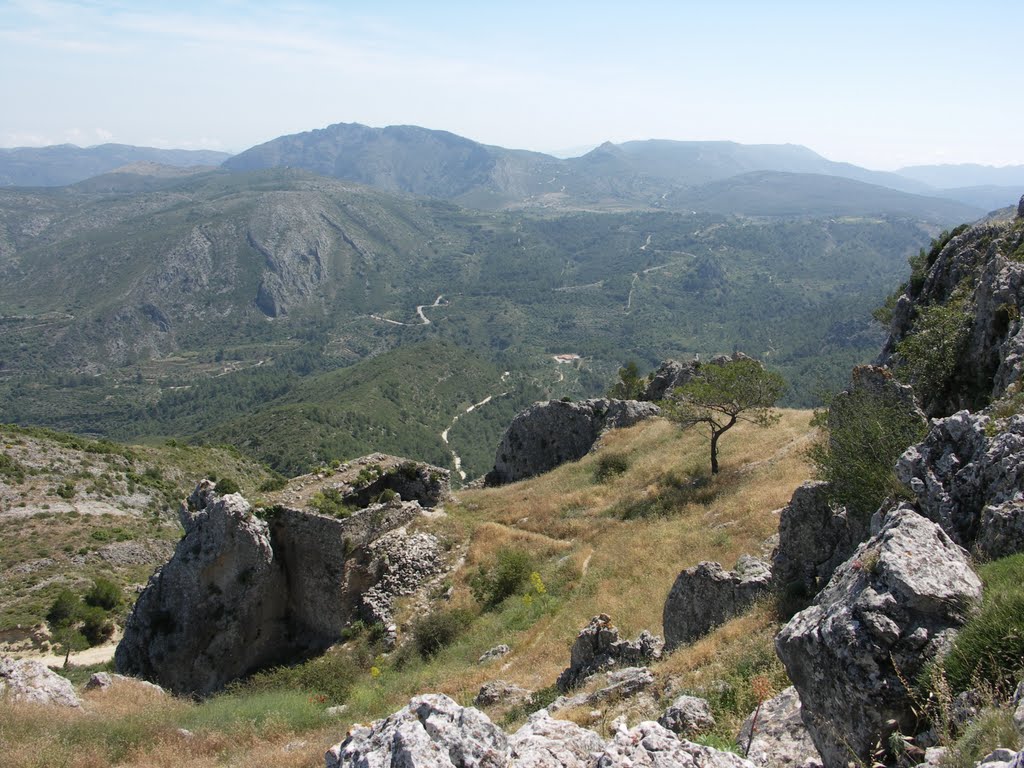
pixel 501 692
pixel 33 683
pixel 435 732
pixel 815 538
pixel 971 482
pixel 888 610
pixel 244 591
pixel 670 374
pixel 776 737
pixel 104 681
pixel 982 262
pixel 688 716
pixel 620 684
pixel 706 595
pixel 598 648
pixel 551 433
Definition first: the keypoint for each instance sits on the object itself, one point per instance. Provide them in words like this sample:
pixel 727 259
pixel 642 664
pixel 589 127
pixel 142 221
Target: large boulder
pixel 707 595
pixel 32 682
pixel 815 538
pixel 891 608
pixel 968 478
pixel 551 433
pixel 670 374
pixel 243 592
pixel 598 648
pixel 775 735
pixel 688 716
pixel 431 732
pixel 648 745
pixel 544 742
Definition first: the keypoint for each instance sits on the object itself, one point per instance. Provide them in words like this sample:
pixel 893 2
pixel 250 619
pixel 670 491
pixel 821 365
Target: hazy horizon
pixel 875 85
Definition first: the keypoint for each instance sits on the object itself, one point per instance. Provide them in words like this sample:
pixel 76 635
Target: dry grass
pixel 592 560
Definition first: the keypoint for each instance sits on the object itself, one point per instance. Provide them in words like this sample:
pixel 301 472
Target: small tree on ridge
pixel 724 394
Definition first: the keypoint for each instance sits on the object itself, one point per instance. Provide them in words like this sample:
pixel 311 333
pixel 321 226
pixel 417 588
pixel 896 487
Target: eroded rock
pixel 706 595
pixel 242 592
pixel 551 433
pixel 888 610
pixel 688 716
pixel 778 738
pixel 971 483
pixel 598 648
pixel 30 681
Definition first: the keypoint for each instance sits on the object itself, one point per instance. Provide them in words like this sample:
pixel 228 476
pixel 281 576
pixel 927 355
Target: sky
pixel 878 84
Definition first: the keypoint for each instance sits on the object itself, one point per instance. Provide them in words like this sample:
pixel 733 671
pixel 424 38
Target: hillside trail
pixel 98 654
pixel 424 320
pixel 456 459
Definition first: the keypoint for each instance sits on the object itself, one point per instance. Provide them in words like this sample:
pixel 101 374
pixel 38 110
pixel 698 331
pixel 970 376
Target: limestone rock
pixel 648 744
pixel 104 681
pixel 780 738
pixel 970 483
pixel 670 374
pixel 621 684
pixel 494 653
pixel 597 648
pixel 501 692
pixel 706 595
pixel 434 731
pixel 241 593
pixel 1020 208
pixel 814 539
pixel 981 260
pixel 399 564
pixel 551 433
pixel 544 742
pixel 431 732
pixel 688 716
pixel 888 610
pixel 32 682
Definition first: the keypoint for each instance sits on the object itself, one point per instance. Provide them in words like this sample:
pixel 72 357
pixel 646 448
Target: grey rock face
pixel 433 731
pixel 889 609
pixel 688 716
pixel 551 433
pixel 241 593
pixel 32 682
pixel 779 738
pixel 982 259
pixel 621 684
pixel 501 692
pixel 670 374
pixel 597 648
pixel 814 539
pixel 1020 208
pixel 544 742
pixel 648 744
pixel 706 595
pixel 969 483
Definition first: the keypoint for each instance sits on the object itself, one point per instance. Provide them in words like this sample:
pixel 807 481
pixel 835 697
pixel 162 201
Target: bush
pixel 273 483
pixel 990 647
pixel 97 627
pixel 103 594
pixel 609 465
pixel 65 609
pixel 509 575
pixel 440 629
pixel 866 435
pixel 329 501
pixel 227 485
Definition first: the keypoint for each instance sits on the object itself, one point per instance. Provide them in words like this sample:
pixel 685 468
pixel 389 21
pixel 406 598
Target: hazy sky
pixel 880 84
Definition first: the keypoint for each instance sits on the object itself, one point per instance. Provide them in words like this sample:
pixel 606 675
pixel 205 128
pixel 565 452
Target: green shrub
pixel 609 465
pixel 329 501
pixel 11 468
pixel 227 485
pixel 96 627
pixel 992 728
pixel 440 629
pixel 65 490
pixel 676 491
pixel 866 434
pixel 508 576
pixel 65 609
pixel 990 647
pixel 103 594
pixel 273 483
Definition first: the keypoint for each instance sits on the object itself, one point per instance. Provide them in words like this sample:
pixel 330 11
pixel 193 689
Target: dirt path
pixel 96 655
pixel 456 459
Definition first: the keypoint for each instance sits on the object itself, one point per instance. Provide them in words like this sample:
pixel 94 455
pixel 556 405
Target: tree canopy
pixel 723 394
